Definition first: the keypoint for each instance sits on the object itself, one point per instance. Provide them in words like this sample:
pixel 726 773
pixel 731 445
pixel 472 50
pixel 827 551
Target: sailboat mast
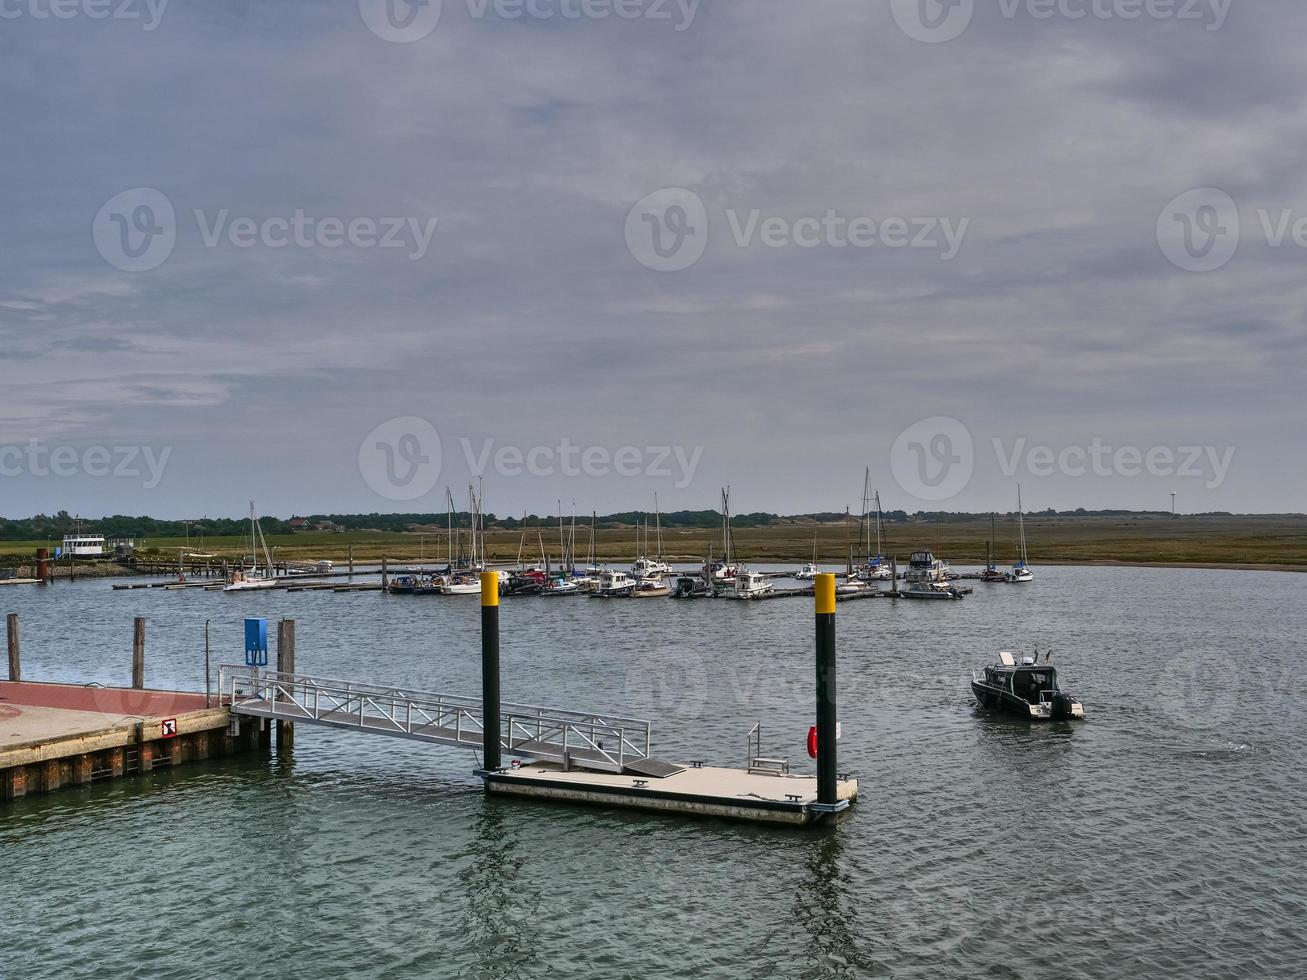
pixel 658 520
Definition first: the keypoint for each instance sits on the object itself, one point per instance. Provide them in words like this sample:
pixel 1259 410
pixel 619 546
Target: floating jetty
pixel 702 791
pixel 53 734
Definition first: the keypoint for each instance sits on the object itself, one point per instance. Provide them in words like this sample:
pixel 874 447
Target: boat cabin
pixel 1027 680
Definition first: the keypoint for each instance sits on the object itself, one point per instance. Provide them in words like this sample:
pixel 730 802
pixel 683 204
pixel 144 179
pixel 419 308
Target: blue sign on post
pixel 256 643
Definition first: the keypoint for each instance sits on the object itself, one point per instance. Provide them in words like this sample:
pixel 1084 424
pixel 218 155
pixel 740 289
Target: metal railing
pixel 548 734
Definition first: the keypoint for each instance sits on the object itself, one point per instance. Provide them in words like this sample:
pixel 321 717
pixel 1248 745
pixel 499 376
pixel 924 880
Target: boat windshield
pixel 1029 683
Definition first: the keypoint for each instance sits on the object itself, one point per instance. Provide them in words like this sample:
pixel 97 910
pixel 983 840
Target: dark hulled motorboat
pixel 1028 690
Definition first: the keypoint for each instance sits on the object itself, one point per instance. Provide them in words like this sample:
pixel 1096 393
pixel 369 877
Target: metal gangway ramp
pixel 605 743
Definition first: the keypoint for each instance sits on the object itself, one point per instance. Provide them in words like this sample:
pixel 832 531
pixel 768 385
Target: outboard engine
pixel 1061 707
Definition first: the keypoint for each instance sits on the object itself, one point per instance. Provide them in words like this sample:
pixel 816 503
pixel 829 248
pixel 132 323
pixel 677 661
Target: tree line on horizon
pixel 54 527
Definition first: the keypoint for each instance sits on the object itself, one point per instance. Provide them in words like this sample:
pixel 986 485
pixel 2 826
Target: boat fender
pixel 812 741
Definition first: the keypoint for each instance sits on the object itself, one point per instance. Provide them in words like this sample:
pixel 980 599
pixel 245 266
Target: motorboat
pixel 923 566
pixel 613 584
pixel 644 568
pixel 651 588
pixel 690 587
pixel 1028 689
pixel 752 585
pixel 561 586
pixel 807 573
pixel 931 590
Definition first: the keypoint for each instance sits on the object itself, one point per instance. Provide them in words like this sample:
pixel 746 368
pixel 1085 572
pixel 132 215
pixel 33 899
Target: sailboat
pixel 721 574
pixel 464 576
pixel 243 579
pixel 991 572
pixel 646 567
pixel 1021 571
pixel 875 568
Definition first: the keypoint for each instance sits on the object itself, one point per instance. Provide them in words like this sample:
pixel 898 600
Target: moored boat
pixel 613 584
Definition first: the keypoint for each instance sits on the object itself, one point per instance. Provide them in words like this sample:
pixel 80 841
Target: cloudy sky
pixel 336 256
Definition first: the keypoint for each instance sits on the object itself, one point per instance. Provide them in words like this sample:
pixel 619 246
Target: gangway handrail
pixel 517 708
pixel 550 734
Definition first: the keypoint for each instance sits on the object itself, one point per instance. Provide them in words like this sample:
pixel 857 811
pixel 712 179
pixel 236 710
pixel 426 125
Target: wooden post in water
pixel 138 654
pixel 285 665
pixel 351 561
pixel 490 671
pixel 827 719
pixel 385 577
pixel 15 666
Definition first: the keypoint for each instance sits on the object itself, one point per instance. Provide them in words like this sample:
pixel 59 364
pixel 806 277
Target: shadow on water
pixel 823 908
pixel 498 899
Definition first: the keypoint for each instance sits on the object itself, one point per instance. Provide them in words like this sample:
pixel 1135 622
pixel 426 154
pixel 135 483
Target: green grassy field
pixel 1270 541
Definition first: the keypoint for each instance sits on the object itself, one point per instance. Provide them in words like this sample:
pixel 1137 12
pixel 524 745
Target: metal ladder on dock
pixel 591 741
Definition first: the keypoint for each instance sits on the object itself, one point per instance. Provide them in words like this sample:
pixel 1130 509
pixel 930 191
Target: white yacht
pixel 807 573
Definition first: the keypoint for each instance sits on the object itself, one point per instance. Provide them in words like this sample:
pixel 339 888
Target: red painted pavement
pixel 115 700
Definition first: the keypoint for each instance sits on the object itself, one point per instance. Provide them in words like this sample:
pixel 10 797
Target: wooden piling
pixel 15 664
pixel 385 578
pixel 285 665
pixel 351 559
pixel 138 654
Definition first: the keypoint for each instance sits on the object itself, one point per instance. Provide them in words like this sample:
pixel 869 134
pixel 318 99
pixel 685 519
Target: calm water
pixel 1163 837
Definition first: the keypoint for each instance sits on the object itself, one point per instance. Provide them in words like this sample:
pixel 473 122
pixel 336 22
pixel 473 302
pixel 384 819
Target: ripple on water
pixel 1162 837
